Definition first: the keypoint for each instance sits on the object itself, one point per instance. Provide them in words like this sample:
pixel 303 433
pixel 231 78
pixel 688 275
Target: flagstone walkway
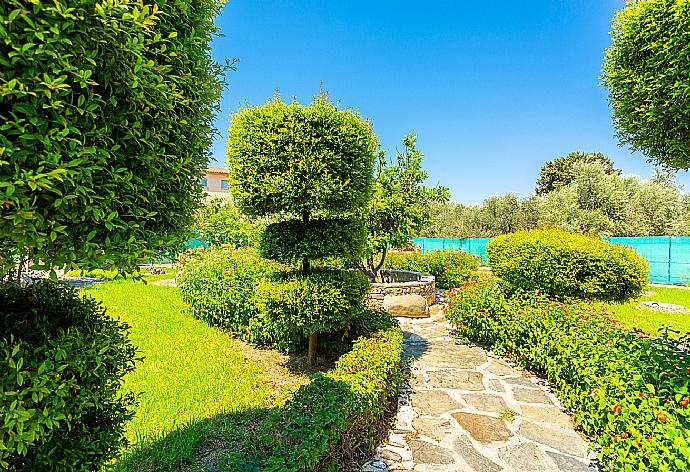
pixel 465 410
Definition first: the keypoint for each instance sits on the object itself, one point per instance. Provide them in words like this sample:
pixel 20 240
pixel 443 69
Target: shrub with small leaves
pixel 567 265
pixel 62 360
pixel 451 268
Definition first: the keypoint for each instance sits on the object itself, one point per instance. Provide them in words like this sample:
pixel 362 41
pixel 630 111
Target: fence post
pixel 670 240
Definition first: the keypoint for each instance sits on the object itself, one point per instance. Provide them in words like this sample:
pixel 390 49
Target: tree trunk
pixel 311 357
pixel 20 267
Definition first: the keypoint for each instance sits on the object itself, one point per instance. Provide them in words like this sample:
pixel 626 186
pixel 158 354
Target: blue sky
pixel 492 89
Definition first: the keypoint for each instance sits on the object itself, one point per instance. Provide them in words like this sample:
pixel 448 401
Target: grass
pixel 195 384
pixel 650 321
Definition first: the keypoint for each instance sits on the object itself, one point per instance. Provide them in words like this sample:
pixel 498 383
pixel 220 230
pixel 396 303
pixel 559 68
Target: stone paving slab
pixel 464 409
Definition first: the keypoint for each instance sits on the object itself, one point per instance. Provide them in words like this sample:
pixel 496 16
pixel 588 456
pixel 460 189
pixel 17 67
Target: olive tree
pixel 558 173
pixel 647 71
pixel 106 113
pixel 311 169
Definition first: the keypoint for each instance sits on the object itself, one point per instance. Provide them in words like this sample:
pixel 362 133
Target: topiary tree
pixel 106 112
pixel 558 173
pixel 400 207
pixel 310 166
pixel 646 71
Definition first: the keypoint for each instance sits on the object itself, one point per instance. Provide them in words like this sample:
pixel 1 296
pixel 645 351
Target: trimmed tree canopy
pixel 105 111
pixel 647 73
pixel 558 173
pixel 294 159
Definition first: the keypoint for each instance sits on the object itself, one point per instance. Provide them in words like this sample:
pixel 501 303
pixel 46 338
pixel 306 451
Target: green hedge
pixel 565 264
pixel 322 301
pixel 220 286
pixel 630 393
pixel 451 268
pixel 62 360
pixel 339 409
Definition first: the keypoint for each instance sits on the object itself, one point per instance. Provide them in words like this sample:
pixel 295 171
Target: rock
pixel 457 379
pixel 435 428
pixel 563 440
pixel 427 453
pixel 433 403
pixel 521 382
pixel 500 368
pixel 496 386
pixel 526 457
pixel 406 306
pixel 482 428
pixel 474 458
pixel 528 395
pixel 546 414
pixel 486 402
pixel 658 306
pixel 375 466
pixel 388 455
pixel 447 354
pixel 436 309
pixel 567 463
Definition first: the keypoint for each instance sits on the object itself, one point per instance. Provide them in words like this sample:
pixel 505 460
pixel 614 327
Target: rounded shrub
pixel 451 268
pixel 62 361
pixel 567 265
pixel 321 301
pixel 219 287
pixel 293 241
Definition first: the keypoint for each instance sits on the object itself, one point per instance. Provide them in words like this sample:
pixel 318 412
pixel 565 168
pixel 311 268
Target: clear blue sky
pixel 492 89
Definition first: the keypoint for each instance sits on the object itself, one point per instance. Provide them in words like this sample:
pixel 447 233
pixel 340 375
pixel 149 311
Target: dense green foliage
pixel 292 159
pixel 313 165
pixel 219 224
pixel 563 264
pixel 324 300
pixel 451 268
pixel 595 201
pixel 558 173
pixel 401 205
pixel 220 286
pixel 336 413
pixel 646 72
pixel 61 363
pixel 628 392
pixel 293 241
pixel 106 113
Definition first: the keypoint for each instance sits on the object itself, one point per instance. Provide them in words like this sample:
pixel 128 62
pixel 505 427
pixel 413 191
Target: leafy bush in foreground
pixel 567 265
pixel 451 268
pixel 630 393
pixel 62 360
pixel 338 408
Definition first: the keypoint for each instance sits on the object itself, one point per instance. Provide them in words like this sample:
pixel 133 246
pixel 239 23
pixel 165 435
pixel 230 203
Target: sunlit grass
pixel 191 381
pixel 650 321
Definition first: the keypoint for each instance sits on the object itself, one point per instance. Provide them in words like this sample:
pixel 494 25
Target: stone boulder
pixel 406 306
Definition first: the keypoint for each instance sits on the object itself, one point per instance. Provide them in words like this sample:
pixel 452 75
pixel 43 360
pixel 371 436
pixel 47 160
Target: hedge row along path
pixel 464 409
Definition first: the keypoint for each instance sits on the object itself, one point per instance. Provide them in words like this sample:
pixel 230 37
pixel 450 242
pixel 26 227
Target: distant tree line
pixel 578 192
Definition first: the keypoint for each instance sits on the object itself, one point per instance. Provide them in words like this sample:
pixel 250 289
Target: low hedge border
pixel 343 406
pixel 630 393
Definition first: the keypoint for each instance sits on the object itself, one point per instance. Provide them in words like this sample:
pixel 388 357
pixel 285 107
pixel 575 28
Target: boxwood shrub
pixel 631 394
pixel 566 264
pixel 62 360
pixel 220 286
pixel 451 268
pixel 337 411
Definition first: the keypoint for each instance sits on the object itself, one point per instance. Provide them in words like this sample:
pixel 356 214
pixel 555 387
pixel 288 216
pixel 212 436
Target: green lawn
pixel 649 320
pixel 194 384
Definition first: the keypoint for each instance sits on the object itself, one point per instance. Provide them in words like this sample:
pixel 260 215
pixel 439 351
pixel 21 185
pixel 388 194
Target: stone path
pixel 465 410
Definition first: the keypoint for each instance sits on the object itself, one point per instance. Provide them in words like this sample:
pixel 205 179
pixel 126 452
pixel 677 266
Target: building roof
pixel 217 170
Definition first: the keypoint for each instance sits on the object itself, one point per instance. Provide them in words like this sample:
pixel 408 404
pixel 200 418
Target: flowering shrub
pixel 566 264
pixel 341 407
pixel 451 268
pixel 630 393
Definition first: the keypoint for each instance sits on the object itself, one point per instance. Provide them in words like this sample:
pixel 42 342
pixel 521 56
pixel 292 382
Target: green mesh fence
pixel 668 256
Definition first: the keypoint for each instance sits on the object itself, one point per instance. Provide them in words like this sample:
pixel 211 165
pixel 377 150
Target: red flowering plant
pixel 629 394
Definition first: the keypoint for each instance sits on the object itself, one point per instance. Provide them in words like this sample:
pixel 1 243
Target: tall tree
pixel 647 72
pixel 401 205
pixel 558 173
